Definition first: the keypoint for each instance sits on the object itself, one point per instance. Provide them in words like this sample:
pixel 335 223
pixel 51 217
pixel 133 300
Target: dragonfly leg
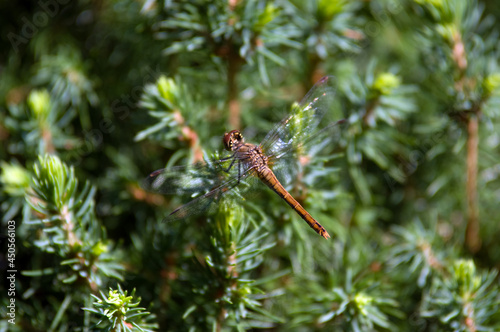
pixel 234 157
pixel 227 158
pixel 230 166
pixel 239 171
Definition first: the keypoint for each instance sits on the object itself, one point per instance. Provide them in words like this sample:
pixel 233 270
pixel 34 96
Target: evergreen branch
pixel 455 25
pixel 118 312
pixel 171 102
pixel 232 254
pixel 466 301
pixel 66 75
pixel 418 249
pixel 68 224
pixel 358 305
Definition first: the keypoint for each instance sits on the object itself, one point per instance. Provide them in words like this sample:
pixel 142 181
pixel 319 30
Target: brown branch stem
pixel 190 136
pixel 472 238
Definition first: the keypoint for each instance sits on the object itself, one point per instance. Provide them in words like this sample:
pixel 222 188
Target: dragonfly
pixel 278 154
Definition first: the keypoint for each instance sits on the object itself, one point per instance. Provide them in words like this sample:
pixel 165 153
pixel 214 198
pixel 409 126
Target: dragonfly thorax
pixel 232 139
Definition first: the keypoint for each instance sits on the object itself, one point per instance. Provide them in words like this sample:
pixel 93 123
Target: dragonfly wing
pixel 290 134
pixel 203 204
pixel 210 182
pixel 186 180
pixel 321 145
pixel 297 136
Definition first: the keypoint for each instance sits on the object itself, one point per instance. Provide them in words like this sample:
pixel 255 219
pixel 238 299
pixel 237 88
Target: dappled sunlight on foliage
pixel 396 154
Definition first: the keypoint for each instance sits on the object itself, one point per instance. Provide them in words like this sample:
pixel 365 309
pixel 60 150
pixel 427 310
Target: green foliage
pixel 68 223
pixel 360 304
pixel 173 106
pixel 96 96
pixel 117 312
pixel 465 301
pixel 15 179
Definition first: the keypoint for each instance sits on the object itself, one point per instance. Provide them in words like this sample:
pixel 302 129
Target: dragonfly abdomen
pixel 267 176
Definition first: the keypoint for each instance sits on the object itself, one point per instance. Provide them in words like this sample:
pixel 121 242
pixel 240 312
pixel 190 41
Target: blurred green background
pixel 95 95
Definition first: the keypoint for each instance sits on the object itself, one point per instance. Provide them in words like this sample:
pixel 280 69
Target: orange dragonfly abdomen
pixel 267 176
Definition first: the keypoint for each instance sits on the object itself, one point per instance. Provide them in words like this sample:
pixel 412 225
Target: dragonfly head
pixel 232 139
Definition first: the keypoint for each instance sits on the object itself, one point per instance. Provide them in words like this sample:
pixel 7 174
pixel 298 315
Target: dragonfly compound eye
pixel 232 138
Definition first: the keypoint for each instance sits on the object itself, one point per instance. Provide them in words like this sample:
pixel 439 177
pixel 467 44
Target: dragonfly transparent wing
pixel 186 180
pixel 297 135
pixel 205 203
pixel 207 182
pixel 296 128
